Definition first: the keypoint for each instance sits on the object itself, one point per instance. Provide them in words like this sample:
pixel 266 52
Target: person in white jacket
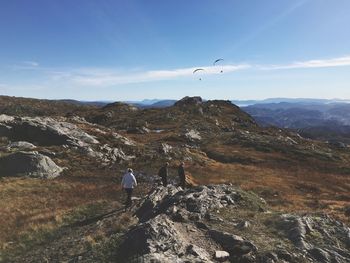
pixel 128 184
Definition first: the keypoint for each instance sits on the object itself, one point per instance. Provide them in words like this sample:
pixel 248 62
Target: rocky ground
pixel 222 223
pixel 214 223
pixel 56 162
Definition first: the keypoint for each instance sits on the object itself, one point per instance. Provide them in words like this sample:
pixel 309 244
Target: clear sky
pixel 132 50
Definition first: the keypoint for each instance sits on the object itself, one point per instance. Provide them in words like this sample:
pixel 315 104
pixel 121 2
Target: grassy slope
pixel 290 178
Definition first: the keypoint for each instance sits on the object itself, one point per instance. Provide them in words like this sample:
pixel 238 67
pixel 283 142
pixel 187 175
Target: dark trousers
pixel 128 197
pixel 164 180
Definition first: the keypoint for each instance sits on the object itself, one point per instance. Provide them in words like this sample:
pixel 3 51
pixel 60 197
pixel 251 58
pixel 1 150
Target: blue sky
pixel 131 50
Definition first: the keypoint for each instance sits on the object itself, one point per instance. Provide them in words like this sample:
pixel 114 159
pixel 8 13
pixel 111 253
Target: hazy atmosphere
pixel 132 50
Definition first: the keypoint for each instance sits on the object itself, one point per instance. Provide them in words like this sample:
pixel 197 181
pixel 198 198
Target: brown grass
pixel 29 204
pixel 297 189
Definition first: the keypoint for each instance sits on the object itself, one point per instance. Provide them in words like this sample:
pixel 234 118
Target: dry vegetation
pixel 303 177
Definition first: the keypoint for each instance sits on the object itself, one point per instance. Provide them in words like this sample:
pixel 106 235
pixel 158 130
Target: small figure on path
pixel 128 184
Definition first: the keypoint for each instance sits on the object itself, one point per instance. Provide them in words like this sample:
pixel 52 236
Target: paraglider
pixel 218 60
pixel 197 70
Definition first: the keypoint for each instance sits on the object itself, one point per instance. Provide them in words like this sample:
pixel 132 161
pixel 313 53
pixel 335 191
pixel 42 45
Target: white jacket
pixel 129 181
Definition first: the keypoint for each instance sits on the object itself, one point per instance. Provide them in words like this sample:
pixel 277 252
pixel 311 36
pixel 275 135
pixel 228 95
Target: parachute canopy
pixel 198 69
pixel 216 61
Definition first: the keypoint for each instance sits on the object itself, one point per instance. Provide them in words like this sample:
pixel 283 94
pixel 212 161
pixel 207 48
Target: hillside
pixel 328 121
pixel 93 146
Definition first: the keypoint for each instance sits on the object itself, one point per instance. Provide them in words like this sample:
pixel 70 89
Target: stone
pixel 295 229
pixel 320 255
pixel 226 240
pixel 160 236
pixel 165 148
pixel 221 255
pixel 193 135
pixel 46 131
pixel 31 164
pixel 124 140
pixel 20 145
pixel 243 224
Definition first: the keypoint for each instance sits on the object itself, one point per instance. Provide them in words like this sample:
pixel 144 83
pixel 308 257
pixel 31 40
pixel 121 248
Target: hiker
pixel 163 173
pixel 128 184
pixel 182 176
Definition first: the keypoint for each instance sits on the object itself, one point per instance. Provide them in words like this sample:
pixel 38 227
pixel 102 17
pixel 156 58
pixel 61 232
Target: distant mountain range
pixel 323 120
pixel 306 101
pixel 274 102
pixel 158 103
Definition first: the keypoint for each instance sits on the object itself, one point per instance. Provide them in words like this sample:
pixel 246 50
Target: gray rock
pixel 193 135
pixel 6 119
pixel 234 244
pixel 243 224
pixel 221 255
pixel 159 200
pixel 165 148
pixel 194 205
pixel 21 145
pixel 124 140
pixel 161 236
pixel 296 230
pixel 320 255
pixel 225 239
pixel 46 131
pixel 106 154
pixel 176 225
pixel 31 164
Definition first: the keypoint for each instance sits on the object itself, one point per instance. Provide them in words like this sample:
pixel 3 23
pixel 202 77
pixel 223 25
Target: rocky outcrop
pixel 193 135
pixel 303 230
pixel 189 101
pixel 44 131
pixel 161 239
pixel 30 164
pixel 177 225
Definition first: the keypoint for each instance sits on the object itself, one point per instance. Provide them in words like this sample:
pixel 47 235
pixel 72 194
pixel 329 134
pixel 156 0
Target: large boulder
pixel 44 131
pixel 31 164
pixel 161 240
